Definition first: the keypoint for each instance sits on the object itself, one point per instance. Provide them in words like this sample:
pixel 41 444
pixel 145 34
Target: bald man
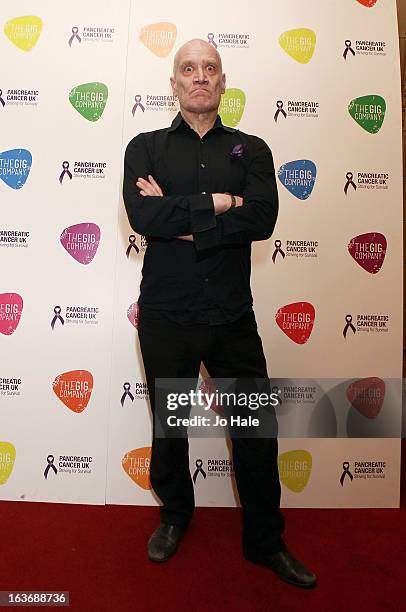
pixel 201 193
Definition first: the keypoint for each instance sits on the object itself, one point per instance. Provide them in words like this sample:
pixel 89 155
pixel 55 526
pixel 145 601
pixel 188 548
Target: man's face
pixel 198 81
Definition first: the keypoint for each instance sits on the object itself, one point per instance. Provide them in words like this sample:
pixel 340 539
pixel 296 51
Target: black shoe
pixel 287 568
pixel 164 542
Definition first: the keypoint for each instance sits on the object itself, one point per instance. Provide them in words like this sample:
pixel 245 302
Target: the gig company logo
pixel 133 314
pixel 228 40
pixel 299 44
pixel 295 248
pixel 152 102
pixel 24 31
pixel 7 459
pixel 11 309
pixel 74 389
pixel 301 109
pixel 294 469
pixel 369 112
pixel 365 469
pixel 81 241
pixel 68 464
pixel 365 180
pixel 365 322
pixel 137 391
pixel 296 321
pixel 368 3
pixel 18 97
pixel 363 47
pixel 133 245
pixel 159 38
pixel 90 34
pixel 212 468
pixel 81 169
pixel 14 239
pixel 15 166
pixel 74 315
pixel 298 177
pixel 89 99
pixel 369 251
pixel 367 396
pixel 232 106
pixel 136 464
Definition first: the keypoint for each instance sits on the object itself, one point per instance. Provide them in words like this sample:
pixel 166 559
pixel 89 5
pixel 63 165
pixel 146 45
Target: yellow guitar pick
pixel 299 44
pixel 7 458
pixel 159 38
pixel 24 31
pixel 294 469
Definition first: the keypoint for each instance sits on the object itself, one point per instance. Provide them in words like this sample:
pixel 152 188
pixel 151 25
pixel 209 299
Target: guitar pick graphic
pixel 298 177
pixel 24 31
pixel 296 321
pixel 89 100
pixel 159 38
pixel 81 241
pixel 136 465
pixel 232 106
pixel 367 396
pixel 368 112
pixel 368 3
pixel 7 459
pixel 369 251
pixel 133 314
pixel 15 166
pixel 74 389
pixel 11 309
pixel 299 44
pixel 294 469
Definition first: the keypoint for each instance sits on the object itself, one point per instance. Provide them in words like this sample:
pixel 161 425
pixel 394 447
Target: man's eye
pixel 211 68
pixel 187 69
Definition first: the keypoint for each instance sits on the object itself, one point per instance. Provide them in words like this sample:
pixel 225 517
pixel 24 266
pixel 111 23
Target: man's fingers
pixel 238 201
pixel 155 184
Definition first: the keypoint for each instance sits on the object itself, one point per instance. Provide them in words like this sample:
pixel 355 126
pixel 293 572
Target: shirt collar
pixel 179 120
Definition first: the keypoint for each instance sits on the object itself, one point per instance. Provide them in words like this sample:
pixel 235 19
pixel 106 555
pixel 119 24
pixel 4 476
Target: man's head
pixel 197 78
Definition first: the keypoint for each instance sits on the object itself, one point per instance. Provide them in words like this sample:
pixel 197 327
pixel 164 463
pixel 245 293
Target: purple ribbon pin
pixel 75 34
pixel 348 48
pixel 137 104
pixel 349 325
pixel 65 170
pixel 280 110
pixel 277 250
pixel 237 151
pixel 1 99
pixel 349 176
pixel 57 313
pixel 210 38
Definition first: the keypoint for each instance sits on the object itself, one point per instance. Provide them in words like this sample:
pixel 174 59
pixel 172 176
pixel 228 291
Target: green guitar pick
pixel 368 112
pixel 89 100
pixel 232 107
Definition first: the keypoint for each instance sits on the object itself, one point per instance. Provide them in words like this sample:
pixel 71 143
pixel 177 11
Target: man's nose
pixel 200 76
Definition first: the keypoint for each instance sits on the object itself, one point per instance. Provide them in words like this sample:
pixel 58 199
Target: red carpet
pixel 98 554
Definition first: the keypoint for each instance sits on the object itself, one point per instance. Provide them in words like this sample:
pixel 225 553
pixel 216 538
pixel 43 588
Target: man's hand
pixel 223 201
pixel 149 187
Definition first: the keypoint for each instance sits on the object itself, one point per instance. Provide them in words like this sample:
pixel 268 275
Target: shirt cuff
pixel 206 240
pixel 202 215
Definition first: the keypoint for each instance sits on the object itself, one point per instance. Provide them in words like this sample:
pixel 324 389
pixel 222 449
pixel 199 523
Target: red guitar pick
pixel 133 314
pixel 367 396
pixel 296 321
pixel 369 251
pixel 368 3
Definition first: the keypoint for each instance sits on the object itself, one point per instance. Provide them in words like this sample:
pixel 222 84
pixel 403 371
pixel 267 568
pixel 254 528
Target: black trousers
pixel 231 350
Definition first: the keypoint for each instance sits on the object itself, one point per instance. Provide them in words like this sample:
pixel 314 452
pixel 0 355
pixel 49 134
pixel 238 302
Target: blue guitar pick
pixel 15 166
pixel 298 177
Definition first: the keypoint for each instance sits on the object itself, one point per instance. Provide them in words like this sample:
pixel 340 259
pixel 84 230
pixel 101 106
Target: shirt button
pixel 206 280
pixel 203 193
pixel 202 165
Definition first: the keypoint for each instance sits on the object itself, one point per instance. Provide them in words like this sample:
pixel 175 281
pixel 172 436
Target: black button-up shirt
pixel 207 280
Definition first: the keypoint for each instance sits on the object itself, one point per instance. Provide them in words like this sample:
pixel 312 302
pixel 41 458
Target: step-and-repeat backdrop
pixel 320 83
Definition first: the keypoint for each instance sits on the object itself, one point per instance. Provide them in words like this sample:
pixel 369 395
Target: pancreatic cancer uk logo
pixel 15 166
pixel 81 241
pixel 89 100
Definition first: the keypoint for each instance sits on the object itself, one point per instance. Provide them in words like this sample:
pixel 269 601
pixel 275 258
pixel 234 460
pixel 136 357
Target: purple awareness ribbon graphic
pixel 346 472
pixel 349 325
pixel 75 34
pixel 277 250
pixel 137 104
pixel 50 465
pixel 65 170
pixel 132 245
pixel 199 469
pixel 126 387
pixel 348 48
pixel 280 109
pixel 57 312
pixel 210 38
pixel 349 176
pixel 1 99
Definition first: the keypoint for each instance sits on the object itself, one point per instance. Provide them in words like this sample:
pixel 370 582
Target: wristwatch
pixel 233 201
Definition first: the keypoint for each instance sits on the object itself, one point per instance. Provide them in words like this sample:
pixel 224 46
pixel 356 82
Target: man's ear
pixel 223 83
pixel 173 85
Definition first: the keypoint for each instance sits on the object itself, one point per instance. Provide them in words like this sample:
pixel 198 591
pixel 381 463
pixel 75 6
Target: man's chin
pixel 200 107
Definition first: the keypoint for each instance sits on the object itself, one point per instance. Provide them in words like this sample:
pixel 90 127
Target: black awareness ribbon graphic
pixel 277 250
pixel 126 387
pixel 57 312
pixel 348 48
pixel 132 245
pixel 65 170
pixel 50 465
pixel 348 326
pixel 199 469
pixel 345 473
pixel 1 99
pixel 210 38
pixel 137 104
pixel 349 176
pixel 75 34
pixel 280 110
